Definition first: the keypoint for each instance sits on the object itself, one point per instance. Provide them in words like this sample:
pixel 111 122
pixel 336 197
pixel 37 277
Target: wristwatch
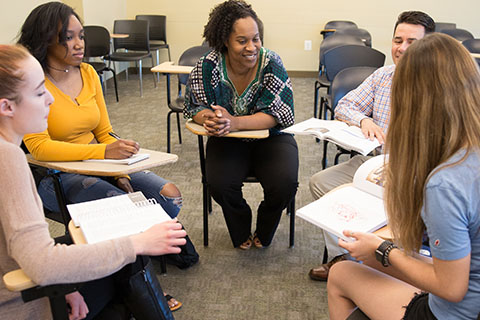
pixel 383 251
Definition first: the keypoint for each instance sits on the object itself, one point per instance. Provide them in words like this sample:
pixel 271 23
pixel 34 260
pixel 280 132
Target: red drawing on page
pixel 345 212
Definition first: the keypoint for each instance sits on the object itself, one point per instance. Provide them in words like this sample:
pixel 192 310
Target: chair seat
pixel 98 66
pixel 323 81
pixel 156 46
pixel 127 56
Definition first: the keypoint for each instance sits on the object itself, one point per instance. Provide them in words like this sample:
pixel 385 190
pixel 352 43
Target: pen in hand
pixel 113 134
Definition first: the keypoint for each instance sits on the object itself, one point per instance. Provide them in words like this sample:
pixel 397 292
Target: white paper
pixel 128 161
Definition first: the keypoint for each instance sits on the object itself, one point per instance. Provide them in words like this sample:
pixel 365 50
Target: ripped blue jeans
pixel 81 188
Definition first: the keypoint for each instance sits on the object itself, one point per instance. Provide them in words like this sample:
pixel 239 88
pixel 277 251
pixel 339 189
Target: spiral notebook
pixel 115 217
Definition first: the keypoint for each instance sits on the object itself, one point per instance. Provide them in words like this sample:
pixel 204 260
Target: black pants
pixel 273 161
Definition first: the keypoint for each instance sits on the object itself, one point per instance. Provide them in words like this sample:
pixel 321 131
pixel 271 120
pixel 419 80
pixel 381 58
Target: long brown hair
pixel 11 75
pixel 435 112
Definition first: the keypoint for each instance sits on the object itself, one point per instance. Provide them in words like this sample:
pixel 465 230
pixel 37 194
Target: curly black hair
pixel 41 28
pixel 221 20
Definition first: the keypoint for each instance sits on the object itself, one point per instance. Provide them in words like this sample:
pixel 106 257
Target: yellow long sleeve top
pixel 73 124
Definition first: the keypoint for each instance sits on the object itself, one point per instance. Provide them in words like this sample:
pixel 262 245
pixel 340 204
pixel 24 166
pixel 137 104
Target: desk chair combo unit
pixel 207 199
pixel 135 47
pixel 459 34
pixel 473 45
pixel 157 34
pixel 186 62
pixel 97 45
pixel 345 81
pixel 334 25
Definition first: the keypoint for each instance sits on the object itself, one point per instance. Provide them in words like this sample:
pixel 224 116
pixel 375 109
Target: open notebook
pixel 338 132
pixel 356 207
pixel 115 217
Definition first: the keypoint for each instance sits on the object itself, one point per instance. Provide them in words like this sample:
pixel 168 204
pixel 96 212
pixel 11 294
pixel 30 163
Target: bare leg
pixel 170 190
pixel 377 294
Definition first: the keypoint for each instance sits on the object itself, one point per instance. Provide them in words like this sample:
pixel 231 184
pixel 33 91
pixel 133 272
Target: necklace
pixel 62 70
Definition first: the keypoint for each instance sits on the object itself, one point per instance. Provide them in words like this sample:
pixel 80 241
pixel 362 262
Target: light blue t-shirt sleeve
pixel 445 214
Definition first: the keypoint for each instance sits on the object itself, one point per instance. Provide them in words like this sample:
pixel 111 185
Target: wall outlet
pixel 308 45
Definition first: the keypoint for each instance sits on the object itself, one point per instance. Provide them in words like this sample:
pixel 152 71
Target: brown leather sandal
pixel 247 244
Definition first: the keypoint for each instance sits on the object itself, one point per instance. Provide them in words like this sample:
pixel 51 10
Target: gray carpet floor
pixel 229 283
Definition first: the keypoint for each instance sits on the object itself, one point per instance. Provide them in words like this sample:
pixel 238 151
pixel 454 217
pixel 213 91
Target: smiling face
pixel 31 110
pixel 243 45
pixel 72 55
pixel 405 35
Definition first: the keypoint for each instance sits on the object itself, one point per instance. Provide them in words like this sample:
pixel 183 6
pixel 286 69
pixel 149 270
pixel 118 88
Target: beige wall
pixel 287 23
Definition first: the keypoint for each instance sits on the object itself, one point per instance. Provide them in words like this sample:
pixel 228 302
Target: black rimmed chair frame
pixel 97 44
pixel 136 46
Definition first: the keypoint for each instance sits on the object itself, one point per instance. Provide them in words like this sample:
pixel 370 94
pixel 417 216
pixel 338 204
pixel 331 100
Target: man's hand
pixel 78 307
pixel 371 130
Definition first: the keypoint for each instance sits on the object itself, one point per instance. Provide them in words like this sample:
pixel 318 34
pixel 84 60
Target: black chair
pixel 344 82
pixel 327 44
pixel 335 25
pixel 158 34
pixel 439 26
pixel 97 45
pixel 188 58
pixel 358 32
pixel 347 56
pixel 459 34
pixel 473 45
pixel 136 45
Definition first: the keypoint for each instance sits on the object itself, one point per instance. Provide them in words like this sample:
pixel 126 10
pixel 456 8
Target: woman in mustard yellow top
pixel 78 123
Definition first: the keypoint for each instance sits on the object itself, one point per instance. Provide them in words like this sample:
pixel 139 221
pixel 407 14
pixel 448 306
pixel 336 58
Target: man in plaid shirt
pixel 367 107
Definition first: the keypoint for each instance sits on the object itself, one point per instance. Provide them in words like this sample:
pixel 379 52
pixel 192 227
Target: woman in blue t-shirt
pixel 432 186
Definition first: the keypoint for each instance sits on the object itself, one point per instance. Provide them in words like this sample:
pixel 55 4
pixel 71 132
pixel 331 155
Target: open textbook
pixel 338 132
pixel 115 217
pixel 356 207
pixel 131 160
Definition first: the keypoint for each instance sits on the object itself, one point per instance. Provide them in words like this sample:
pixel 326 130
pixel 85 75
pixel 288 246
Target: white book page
pixel 369 177
pixel 316 127
pixel 346 208
pixel 94 207
pixel 119 222
pixel 128 161
pixel 352 138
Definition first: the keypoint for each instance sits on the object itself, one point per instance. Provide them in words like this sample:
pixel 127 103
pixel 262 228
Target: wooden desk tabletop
pixel 475 55
pixel 76 233
pixel 253 134
pixel 119 35
pixel 156 159
pixel 169 67
pixel 17 280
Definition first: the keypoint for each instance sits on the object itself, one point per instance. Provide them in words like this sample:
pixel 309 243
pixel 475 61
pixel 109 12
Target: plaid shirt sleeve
pixel 369 99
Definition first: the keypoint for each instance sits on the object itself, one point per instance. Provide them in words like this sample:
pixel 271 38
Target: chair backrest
pixel 347 80
pixel 342 57
pixel 138 35
pixel 189 58
pixel 459 34
pixel 439 26
pixel 157 26
pixel 358 32
pixel 472 45
pixel 97 41
pixel 340 24
pixel 336 40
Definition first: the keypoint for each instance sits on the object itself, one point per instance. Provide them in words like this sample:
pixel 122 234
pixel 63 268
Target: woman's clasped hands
pixel 218 122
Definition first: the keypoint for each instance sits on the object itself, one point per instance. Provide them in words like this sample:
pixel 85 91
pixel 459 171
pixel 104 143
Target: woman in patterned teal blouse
pixel 240 85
